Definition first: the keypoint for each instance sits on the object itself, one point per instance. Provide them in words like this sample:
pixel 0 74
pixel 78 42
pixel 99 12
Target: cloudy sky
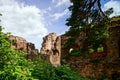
pixel 33 19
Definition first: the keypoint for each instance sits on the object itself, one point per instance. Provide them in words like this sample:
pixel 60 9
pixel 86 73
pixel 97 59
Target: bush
pixel 64 72
pixel 13 64
pixel 42 70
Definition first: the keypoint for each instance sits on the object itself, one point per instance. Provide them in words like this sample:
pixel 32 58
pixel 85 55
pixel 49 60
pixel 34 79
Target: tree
pixel 84 12
pixel 87 17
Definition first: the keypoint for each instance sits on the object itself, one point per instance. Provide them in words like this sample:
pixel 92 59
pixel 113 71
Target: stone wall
pixel 113 44
pixel 22 45
pixel 51 48
pixel 94 68
pixel 103 64
pixel 97 65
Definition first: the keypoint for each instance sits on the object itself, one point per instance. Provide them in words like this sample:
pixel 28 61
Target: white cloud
pixel 113 4
pixel 57 16
pixel 61 2
pixel 53 1
pixel 22 20
pixel 49 8
pixel 61 9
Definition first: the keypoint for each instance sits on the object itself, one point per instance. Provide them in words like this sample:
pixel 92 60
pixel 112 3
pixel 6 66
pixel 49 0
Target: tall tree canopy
pixel 85 12
pixel 84 15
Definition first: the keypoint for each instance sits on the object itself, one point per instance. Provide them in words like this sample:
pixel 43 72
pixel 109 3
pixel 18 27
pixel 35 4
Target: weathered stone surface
pixel 113 44
pixel 22 45
pixel 19 43
pixel 51 48
pixel 99 64
pixel 63 41
pixel 95 68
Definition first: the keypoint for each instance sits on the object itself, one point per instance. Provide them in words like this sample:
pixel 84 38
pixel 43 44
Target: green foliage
pixel 95 38
pixel 82 10
pixel 45 71
pixel 83 14
pixel 102 78
pixel 91 50
pixel 75 52
pixel 109 11
pixel 13 64
pixel 69 43
pixel 97 34
pixel 42 70
pixel 87 16
pixel 100 49
pixel 64 72
pixel 115 18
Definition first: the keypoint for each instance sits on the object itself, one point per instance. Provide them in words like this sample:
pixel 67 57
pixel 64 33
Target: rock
pixel 19 43
pixel 22 45
pixel 51 48
pixel 113 43
pixel 98 64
